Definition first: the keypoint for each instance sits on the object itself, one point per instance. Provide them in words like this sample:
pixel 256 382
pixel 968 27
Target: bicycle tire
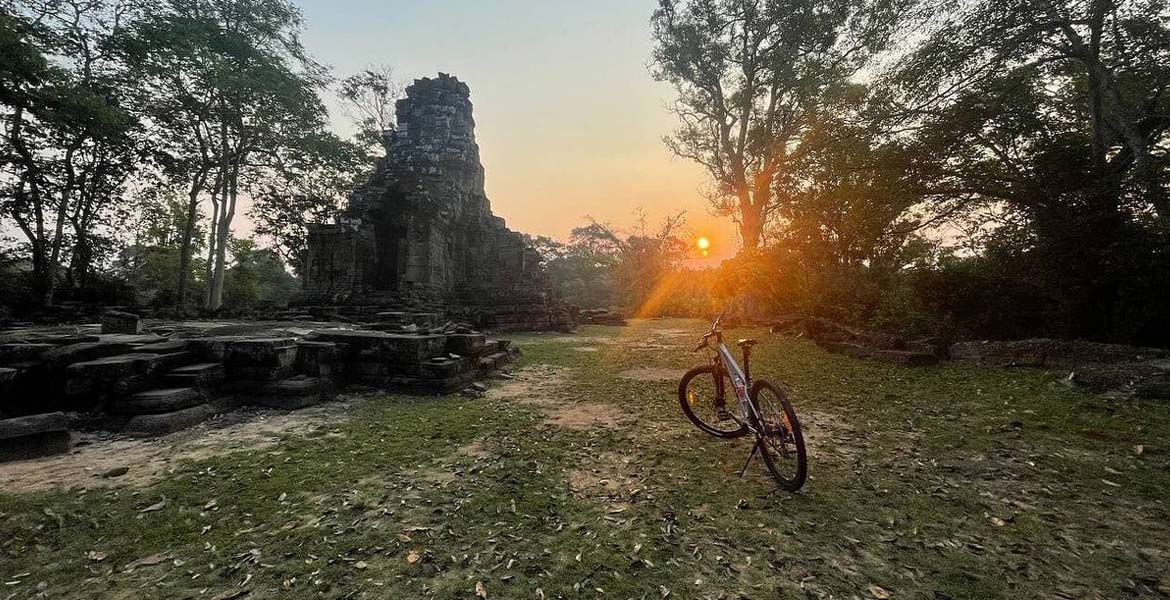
pixel 786 442
pixel 688 403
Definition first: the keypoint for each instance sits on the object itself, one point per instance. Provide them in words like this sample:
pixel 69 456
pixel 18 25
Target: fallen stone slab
pixel 294 393
pixel 34 436
pixel 132 339
pixel 164 423
pixel 466 344
pixel 85 351
pixel 196 375
pixel 121 322
pixel 443 367
pixel 494 361
pixel 22 352
pixel 400 348
pixel 32 424
pixel 167 347
pixel 212 348
pixel 261 352
pixel 159 401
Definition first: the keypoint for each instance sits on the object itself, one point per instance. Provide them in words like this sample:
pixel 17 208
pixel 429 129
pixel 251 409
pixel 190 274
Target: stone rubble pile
pixel 148 384
pixel 600 316
pixel 860 343
pixel 1132 370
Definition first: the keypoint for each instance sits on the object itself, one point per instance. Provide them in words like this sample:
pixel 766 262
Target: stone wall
pixel 421 231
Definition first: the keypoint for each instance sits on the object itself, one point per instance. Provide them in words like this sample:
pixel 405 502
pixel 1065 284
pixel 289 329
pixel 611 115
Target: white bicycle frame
pixel 739 383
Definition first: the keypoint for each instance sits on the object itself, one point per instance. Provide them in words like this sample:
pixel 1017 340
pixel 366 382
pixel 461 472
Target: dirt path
pixel 107 459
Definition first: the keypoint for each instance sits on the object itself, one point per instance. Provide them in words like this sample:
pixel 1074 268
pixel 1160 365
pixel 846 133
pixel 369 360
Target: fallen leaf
pixel 148 561
pixel 96 556
pixel 157 506
pixel 361 564
pixel 412 557
pixel 663 590
pixel 878 591
pixel 998 522
pixel 480 591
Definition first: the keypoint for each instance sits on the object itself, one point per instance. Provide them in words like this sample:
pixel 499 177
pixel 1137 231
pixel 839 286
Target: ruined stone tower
pixel 421 231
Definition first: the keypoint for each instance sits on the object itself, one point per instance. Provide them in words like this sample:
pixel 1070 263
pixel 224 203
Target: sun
pixel 704 245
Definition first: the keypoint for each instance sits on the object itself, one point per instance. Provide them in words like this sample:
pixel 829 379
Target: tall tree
pixel 1058 111
pixel 70 135
pixel 750 76
pixel 243 88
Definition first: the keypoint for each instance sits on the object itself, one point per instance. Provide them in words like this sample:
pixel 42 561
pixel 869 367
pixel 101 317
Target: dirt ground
pixel 98 459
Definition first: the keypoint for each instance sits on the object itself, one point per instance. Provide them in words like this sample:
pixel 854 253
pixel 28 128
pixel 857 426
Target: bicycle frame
pixel 740 383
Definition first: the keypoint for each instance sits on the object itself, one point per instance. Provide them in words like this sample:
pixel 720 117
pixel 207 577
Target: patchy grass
pixel 942 482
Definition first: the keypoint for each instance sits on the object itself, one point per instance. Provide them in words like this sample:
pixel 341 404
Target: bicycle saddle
pixel 746 343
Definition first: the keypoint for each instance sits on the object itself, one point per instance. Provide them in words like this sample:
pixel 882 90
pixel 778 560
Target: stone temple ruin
pixel 420 234
pixel 54 381
pixel 415 270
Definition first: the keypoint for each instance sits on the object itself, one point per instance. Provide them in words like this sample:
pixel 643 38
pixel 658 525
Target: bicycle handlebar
pixel 713 331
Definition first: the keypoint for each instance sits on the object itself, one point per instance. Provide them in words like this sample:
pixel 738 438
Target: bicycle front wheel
pixel 781 442
pixel 704 400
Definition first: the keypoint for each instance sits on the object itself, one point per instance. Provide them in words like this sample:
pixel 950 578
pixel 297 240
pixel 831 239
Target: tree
pixel 71 138
pixel 1056 111
pixel 239 70
pixel 370 97
pixel 308 187
pixel 751 76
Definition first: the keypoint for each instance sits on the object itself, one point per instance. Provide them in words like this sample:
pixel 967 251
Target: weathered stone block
pixel 167 347
pixel 85 351
pixel 160 424
pixel 296 392
pixel 33 424
pixel 466 344
pixel 261 352
pixel 211 349
pixel 260 373
pixel 197 375
pixel 22 352
pixel 443 368
pixel 378 345
pixel 159 401
pixel 121 322
pixel 317 359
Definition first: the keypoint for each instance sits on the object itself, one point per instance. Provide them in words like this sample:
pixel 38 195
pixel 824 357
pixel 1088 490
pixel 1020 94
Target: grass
pixel 943 482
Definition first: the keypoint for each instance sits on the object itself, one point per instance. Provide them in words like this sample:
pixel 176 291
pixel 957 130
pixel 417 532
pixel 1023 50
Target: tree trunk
pixel 189 233
pixel 223 232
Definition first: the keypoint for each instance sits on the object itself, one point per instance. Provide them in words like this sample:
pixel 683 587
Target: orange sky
pixel 568 118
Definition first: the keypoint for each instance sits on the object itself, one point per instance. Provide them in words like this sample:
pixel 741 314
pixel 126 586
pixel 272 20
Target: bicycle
pixel 762 409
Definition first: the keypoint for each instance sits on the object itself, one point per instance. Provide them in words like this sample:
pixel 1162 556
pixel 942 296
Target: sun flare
pixel 703 243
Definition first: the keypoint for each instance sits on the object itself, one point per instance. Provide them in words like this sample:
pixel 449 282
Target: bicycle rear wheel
pixel 700 394
pixel 781 441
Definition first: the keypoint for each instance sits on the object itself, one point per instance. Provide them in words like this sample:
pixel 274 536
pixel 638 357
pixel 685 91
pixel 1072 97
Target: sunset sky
pixel 568 118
